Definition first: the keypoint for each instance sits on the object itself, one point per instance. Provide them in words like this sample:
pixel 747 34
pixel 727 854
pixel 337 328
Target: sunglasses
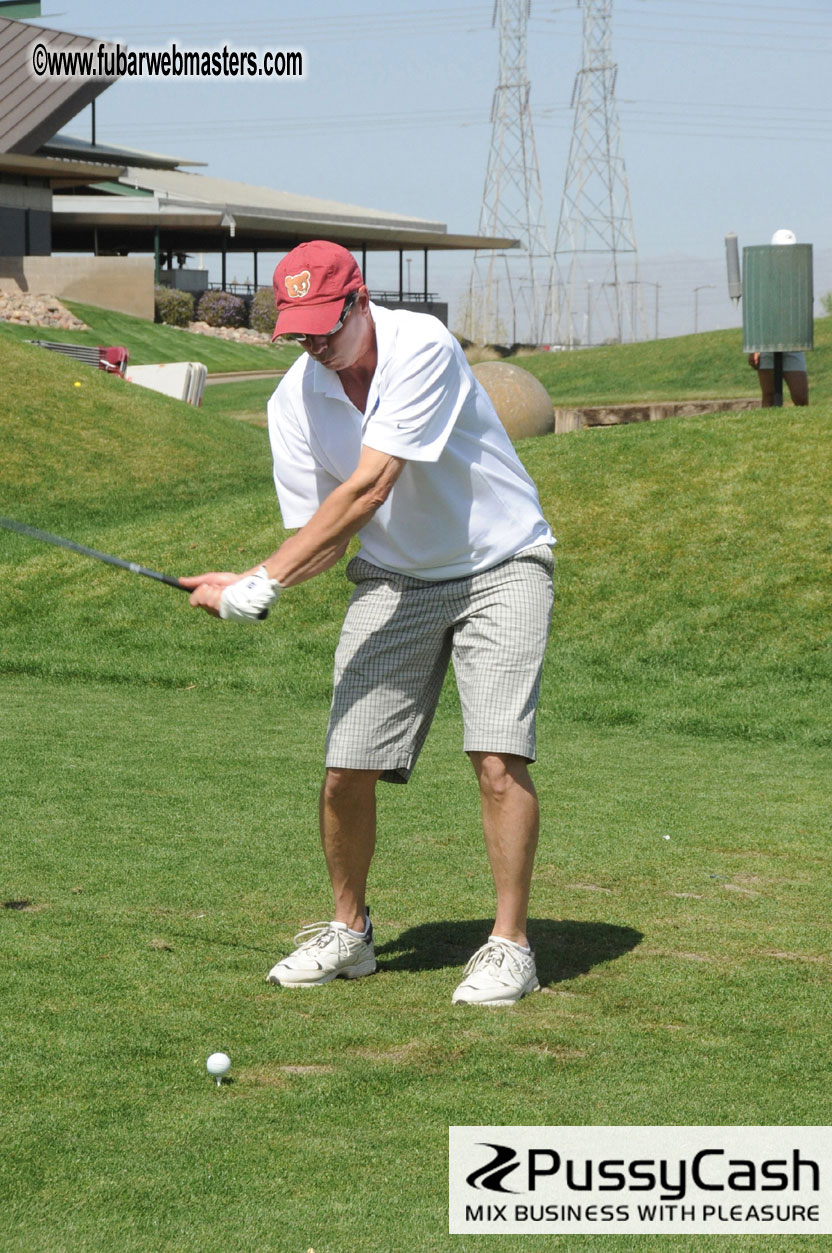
pixel 294 337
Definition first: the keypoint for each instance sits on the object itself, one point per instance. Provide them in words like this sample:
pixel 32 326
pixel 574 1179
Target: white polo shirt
pixel 463 502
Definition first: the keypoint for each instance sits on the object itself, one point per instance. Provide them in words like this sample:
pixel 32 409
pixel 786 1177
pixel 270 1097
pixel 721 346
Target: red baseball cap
pixel 310 286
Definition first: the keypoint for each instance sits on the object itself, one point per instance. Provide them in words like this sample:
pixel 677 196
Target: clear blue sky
pixel 724 116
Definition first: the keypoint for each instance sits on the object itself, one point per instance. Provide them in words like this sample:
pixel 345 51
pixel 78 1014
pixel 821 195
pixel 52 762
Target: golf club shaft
pixel 46 538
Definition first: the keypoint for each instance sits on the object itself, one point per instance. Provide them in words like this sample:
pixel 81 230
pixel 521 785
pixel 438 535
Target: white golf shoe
pixel 499 973
pixel 326 951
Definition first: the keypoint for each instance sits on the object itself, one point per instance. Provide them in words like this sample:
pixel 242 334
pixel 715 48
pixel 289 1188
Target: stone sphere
pixel 523 405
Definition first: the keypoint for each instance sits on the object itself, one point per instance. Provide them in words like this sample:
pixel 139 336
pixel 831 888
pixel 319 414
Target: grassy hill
pixel 148 342
pixel 159 793
pixel 707 366
pixel 710 365
pixel 693 555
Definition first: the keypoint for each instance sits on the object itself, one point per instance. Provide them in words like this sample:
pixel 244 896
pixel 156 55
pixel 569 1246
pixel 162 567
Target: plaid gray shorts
pixel 399 635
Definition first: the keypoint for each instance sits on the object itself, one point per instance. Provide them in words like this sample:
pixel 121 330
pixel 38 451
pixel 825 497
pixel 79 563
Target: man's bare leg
pixel 348 837
pixel 796 381
pixel 766 378
pixel 511 824
pixel 798 385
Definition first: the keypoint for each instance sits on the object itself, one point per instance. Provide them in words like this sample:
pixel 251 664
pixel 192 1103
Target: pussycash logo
pixel 491 1175
pixel 708 1170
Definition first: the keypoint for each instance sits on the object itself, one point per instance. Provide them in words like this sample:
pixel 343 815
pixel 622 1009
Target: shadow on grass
pixel 563 949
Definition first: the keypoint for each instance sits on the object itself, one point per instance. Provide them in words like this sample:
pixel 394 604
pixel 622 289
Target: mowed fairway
pixel 158 803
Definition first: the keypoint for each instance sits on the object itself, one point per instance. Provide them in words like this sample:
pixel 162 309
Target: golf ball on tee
pixel 218 1064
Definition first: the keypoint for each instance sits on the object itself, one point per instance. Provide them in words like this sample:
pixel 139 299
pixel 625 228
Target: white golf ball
pixel 218 1064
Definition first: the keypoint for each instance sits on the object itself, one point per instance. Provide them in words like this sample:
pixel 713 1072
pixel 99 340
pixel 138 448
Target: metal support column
pixel 777 398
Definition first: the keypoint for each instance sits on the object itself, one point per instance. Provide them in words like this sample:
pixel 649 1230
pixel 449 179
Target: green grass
pixel 696 367
pixel 245 400
pixel 711 365
pixel 159 793
pixel 148 342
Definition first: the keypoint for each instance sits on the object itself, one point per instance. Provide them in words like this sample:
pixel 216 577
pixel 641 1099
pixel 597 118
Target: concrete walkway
pixel 242 376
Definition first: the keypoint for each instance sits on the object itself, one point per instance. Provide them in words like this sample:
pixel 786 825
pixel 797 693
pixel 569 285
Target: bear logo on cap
pixel 297 285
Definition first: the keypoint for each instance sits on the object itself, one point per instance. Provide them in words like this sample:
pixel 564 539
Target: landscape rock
pixel 26 309
pixel 523 405
pixel 239 334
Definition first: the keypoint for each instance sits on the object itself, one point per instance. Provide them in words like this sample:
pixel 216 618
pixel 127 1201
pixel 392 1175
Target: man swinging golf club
pixel 381 430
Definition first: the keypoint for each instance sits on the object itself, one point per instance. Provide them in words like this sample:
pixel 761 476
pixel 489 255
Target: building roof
pixel 139 199
pixel 180 188
pixel 60 173
pixel 75 148
pixel 33 109
pixel 195 213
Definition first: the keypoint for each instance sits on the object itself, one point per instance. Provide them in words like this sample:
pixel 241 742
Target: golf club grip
pixel 162 578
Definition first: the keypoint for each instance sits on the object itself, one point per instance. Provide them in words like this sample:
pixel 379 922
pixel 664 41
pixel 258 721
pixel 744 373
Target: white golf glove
pixel 248 599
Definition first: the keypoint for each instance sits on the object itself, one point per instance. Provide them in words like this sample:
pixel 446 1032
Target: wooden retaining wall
pixel 617 415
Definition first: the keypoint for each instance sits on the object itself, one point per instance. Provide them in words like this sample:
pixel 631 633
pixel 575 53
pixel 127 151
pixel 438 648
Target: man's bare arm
pixel 323 540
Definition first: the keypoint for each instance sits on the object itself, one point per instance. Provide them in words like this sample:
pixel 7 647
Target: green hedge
pixel 222 308
pixel 261 313
pixel 174 308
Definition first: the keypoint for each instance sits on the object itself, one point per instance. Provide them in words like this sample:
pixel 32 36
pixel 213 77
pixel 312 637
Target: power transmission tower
pixel 595 243
pixel 507 291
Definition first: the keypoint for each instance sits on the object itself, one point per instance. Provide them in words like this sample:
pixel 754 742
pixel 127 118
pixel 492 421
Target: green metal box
pixel 777 298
